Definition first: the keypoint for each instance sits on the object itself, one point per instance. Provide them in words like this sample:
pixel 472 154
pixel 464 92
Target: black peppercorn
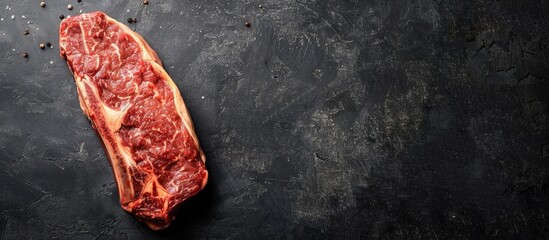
pixel 145 2
pixel 42 4
pixel 247 24
pixel 42 46
pixel 61 16
pixel 25 54
pixel 130 20
pixel 48 44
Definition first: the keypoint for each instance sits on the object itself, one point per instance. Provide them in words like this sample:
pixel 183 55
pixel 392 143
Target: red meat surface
pixel 138 113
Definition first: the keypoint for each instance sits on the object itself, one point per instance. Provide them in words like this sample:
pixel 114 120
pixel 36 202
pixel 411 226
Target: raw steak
pixel 139 114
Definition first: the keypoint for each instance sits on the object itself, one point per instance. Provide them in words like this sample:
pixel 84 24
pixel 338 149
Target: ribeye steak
pixel 138 113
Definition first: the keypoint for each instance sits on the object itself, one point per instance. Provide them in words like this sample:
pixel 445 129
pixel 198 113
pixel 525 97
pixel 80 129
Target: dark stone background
pixel 404 119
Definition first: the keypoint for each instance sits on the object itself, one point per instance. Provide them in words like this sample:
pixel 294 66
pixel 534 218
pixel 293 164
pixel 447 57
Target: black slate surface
pixel 404 119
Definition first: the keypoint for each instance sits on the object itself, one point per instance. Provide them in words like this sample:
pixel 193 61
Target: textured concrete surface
pixel 403 119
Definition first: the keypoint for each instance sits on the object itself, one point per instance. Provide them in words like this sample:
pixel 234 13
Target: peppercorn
pixel 41 46
pixel 260 6
pixel 79 0
pixel 145 2
pixel 247 24
pixel 134 20
pixel 48 44
pixel 61 16
pixel 42 4
pixel 130 20
pixel 25 54
pixel 69 7
pixel 26 32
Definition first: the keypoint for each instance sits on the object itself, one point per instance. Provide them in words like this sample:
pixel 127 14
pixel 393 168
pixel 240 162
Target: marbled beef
pixel 139 114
